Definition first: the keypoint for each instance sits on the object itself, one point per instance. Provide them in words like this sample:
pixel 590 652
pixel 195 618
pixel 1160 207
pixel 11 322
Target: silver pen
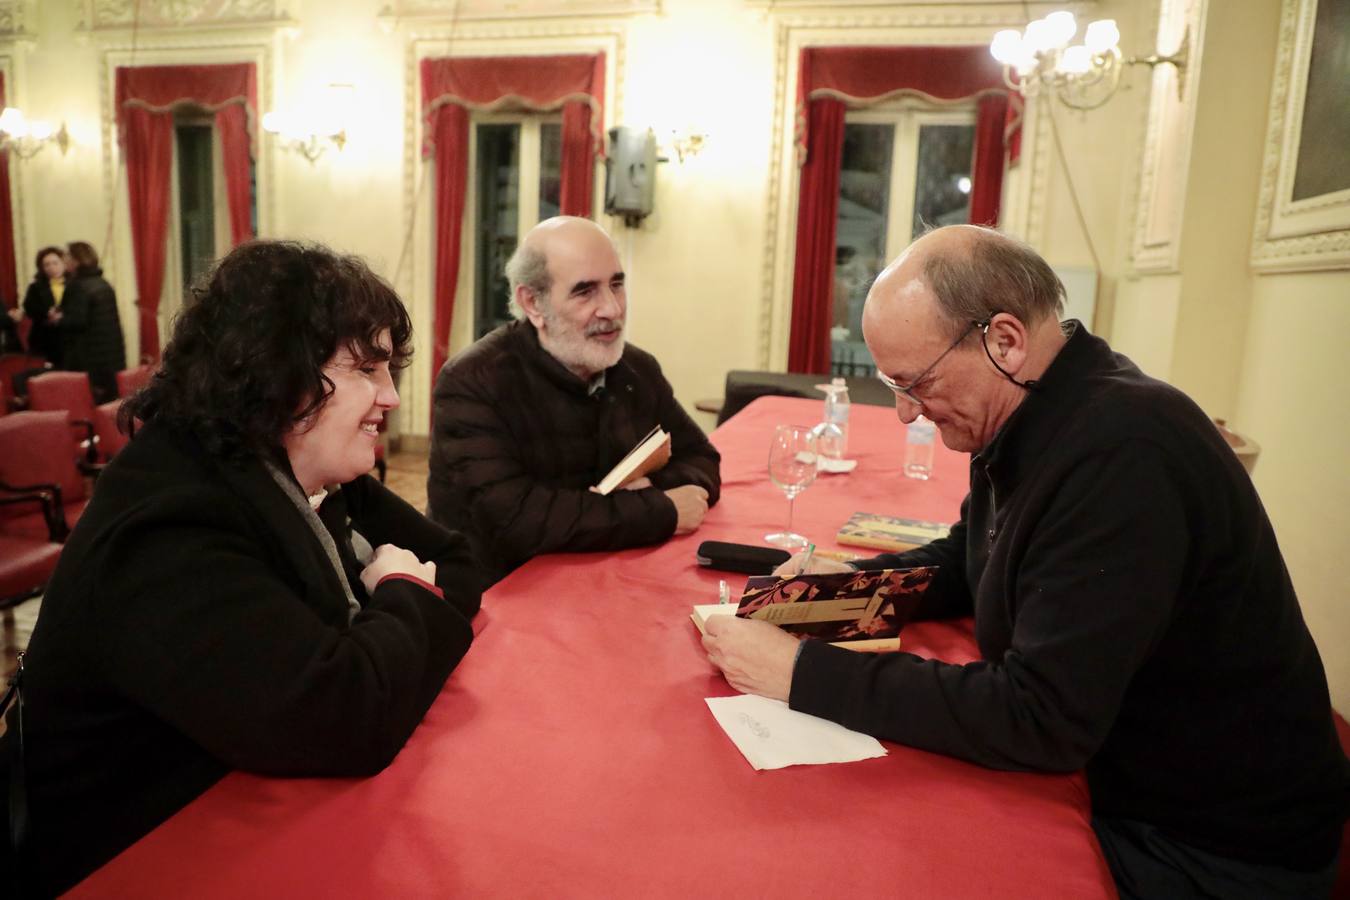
pixel 723 592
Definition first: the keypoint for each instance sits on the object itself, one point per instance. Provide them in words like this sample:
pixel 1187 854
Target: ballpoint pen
pixel 806 560
pixel 723 592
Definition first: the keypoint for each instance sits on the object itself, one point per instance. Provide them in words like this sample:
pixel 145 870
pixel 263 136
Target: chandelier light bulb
pixel 1007 46
pixel 1077 60
pixel 1102 36
pixel 1062 27
pixel 1039 36
pixel 12 122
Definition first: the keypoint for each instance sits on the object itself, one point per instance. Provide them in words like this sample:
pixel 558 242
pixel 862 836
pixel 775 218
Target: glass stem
pixel 791 498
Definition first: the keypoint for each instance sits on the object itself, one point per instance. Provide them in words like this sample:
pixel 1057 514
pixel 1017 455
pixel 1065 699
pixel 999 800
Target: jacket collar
pixel 1057 399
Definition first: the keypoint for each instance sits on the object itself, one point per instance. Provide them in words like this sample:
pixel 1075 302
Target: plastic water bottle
pixel 836 414
pixel 920 436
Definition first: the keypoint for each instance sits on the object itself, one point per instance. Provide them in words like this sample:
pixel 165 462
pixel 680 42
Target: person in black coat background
pixel 240 593
pixel 44 295
pixel 91 333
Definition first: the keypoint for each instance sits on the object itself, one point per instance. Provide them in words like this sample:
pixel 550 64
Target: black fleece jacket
pixel 518 440
pixel 1134 616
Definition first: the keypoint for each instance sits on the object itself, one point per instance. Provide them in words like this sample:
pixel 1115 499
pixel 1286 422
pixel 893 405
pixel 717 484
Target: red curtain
pixel 146 98
pixel 832 79
pixel 9 272
pixel 450 89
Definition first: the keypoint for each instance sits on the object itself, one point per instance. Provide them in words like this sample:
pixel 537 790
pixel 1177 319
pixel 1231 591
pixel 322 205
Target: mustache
pixel 604 328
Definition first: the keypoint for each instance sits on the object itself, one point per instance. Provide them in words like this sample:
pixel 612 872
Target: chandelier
pixel 1083 76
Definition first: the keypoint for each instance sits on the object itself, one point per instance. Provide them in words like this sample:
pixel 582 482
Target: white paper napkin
pixel 772 736
pixel 835 466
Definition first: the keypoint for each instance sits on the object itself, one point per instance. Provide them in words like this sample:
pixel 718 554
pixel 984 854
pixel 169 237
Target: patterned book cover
pixel 841 606
pixel 889 532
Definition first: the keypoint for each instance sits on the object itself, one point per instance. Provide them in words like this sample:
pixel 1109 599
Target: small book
pixel 650 454
pixel 855 610
pixel 889 532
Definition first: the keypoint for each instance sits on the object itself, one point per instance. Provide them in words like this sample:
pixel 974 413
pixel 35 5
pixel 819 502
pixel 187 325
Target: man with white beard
pixel 532 415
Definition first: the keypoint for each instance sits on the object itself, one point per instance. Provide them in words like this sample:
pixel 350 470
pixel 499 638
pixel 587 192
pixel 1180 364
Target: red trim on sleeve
pixel 414 579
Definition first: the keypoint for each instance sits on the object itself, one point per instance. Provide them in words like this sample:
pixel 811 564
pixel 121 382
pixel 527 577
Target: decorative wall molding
pixel 152 15
pixel 1165 152
pixel 14 18
pixel 1295 235
pixel 1025 192
pixel 191 48
pixel 511 10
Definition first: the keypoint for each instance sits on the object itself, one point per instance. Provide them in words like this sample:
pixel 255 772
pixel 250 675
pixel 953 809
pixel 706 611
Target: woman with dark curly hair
pixel 219 605
pixel 42 299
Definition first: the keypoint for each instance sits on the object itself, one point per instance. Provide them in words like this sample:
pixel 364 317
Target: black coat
pixel 195 625
pixel 45 338
pixel 1135 618
pixel 91 333
pixel 517 441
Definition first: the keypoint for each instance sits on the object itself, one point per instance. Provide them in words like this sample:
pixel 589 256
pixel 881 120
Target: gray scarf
pixel 307 512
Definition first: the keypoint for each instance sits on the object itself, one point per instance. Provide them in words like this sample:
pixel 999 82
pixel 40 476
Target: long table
pixel 571 753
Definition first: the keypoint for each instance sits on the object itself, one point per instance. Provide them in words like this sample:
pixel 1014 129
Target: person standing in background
pixel 42 300
pixel 91 333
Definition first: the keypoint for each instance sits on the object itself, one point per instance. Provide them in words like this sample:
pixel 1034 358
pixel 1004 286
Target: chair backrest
pixel 62 390
pixel 35 449
pixel 12 364
pixel 129 381
pixel 4 397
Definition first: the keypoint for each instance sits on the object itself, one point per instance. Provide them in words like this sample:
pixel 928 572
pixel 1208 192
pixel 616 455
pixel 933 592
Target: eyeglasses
pixel 907 390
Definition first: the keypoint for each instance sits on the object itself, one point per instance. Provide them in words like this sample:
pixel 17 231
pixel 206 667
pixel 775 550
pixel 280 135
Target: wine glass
pixel 792 466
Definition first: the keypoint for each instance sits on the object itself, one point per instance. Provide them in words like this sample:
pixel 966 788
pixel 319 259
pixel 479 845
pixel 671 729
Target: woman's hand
pixel 391 560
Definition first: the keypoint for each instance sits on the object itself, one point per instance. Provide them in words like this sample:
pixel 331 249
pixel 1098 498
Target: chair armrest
pixel 90 442
pixel 52 508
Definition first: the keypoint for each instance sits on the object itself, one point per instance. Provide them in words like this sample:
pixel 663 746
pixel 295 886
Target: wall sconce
pixel 687 143
pixel 310 133
pixel 24 138
pixel 1083 76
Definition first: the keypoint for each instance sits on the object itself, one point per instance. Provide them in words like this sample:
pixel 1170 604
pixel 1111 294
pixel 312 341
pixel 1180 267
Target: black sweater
pixel 195 625
pixel 517 441
pixel 1134 616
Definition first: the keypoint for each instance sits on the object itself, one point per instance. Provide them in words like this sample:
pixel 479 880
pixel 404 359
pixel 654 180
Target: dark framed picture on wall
pixel 1303 218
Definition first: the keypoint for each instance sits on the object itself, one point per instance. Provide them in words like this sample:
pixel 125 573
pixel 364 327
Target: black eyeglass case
pixel 745 558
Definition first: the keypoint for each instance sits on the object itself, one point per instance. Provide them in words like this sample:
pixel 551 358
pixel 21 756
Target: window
pixel 199 224
pixel 516 181
pixel 901 172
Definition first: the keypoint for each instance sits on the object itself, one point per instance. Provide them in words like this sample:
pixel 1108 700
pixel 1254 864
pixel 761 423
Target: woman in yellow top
pixel 42 299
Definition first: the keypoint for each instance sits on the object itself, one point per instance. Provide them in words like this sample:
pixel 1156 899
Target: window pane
pixel 498 182
pixel 860 239
pixel 550 170
pixel 942 189
pixel 196 211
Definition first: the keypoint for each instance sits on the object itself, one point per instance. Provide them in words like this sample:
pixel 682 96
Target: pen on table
pixel 806 559
pixel 723 592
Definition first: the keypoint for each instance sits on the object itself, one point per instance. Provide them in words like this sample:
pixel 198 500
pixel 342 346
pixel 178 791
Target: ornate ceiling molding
pixel 101 16
pixel 513 10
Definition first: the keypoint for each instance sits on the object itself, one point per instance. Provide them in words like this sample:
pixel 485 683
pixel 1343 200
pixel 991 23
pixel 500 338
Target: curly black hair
pixel 41 255
pixel 245 363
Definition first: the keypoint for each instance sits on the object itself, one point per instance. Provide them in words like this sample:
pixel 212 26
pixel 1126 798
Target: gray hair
pixel 528 268
pixel 990 274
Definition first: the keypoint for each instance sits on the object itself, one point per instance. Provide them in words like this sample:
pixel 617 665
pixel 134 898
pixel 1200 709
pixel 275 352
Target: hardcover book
pixel 889 532
pixel 857 610
pixel 650 454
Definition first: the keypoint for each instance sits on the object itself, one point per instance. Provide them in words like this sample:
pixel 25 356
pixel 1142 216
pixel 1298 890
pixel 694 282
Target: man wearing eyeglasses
pixel 1132 608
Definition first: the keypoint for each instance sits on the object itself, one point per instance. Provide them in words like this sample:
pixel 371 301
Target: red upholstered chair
pixel 35 458
pixel 15 368
pixel 26 564
pixel 69 391
pixel 129 381
pixel 4 396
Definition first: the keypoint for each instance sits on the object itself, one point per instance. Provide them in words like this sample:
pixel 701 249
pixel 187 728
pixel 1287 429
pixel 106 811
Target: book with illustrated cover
pixel 889 532
pixel 650 454
pixel 856 610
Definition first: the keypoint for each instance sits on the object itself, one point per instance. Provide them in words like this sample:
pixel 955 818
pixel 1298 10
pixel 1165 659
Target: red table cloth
pixel 571 753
